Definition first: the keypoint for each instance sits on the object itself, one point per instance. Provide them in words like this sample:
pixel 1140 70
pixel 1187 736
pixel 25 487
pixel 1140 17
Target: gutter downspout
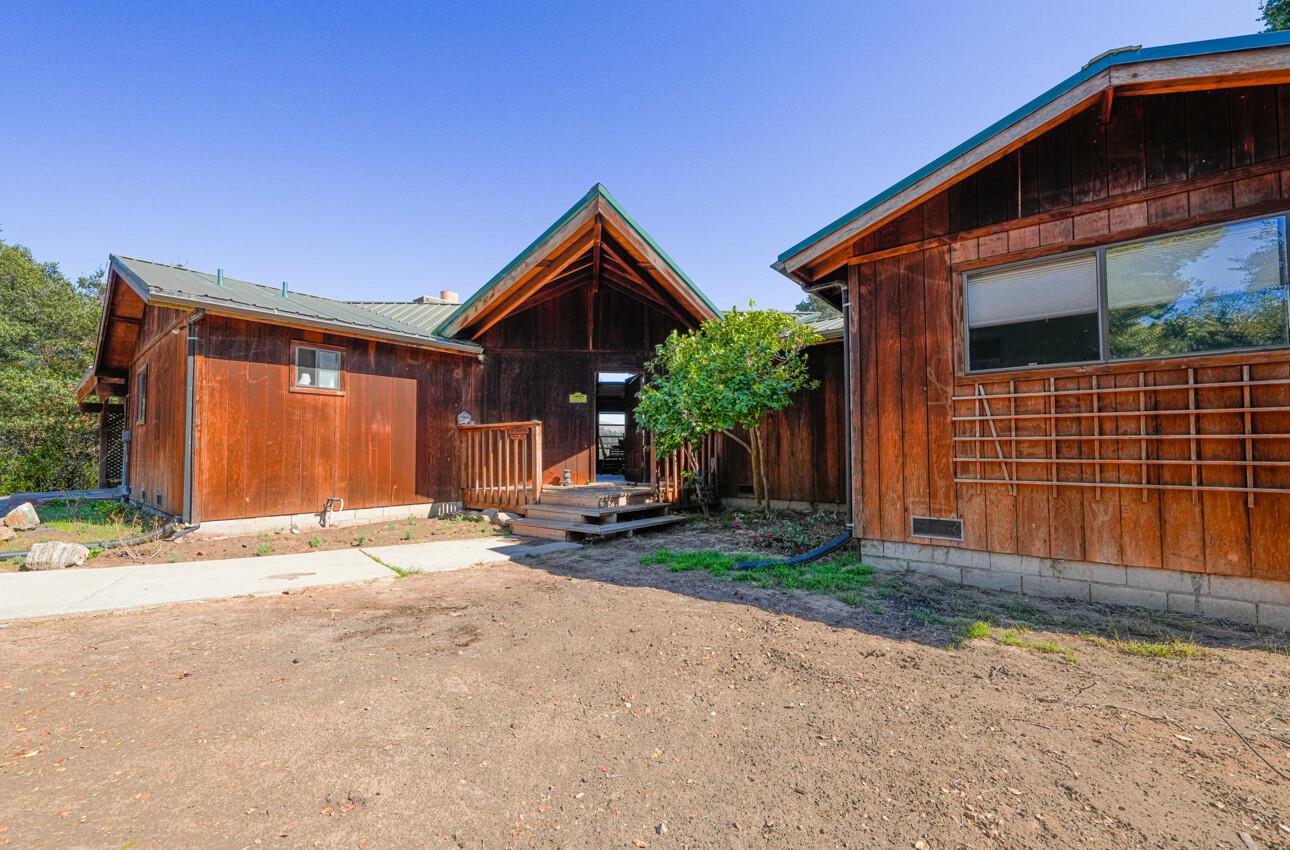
pixel 844 291
pixel 190 402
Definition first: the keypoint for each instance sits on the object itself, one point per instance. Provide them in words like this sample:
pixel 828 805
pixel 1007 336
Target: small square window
pixel 317 369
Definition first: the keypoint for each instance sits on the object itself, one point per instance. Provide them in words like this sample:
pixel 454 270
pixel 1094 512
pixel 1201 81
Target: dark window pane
pixel 1207 290
pixel 1066 339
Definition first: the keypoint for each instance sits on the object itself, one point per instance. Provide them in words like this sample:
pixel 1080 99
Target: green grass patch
pixel 842 576
pixel 1171 647
pixel 981 630
pixel 85 521
pixel 262 550
pixel 398 571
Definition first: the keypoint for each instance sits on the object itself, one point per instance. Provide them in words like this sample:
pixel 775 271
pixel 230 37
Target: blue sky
pixel 389 152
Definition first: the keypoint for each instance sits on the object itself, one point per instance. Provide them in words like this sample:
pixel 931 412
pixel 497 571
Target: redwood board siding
pixel 263 450
pixel 541 354
pixel 1162 163
pixel 157 444
pixel 805 442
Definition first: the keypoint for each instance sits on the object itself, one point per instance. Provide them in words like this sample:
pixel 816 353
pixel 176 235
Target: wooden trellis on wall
pixel 1194 429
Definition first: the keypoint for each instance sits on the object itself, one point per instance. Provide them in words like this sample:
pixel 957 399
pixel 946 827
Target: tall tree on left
pixel 48 326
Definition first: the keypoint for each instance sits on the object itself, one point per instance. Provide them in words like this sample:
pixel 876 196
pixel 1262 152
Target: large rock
pixel 23 517
pixel 504 519
pixel 56 556
pixel 6 533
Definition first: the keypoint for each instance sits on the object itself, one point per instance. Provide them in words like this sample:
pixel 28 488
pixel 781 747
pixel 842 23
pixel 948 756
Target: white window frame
pixel 1103 314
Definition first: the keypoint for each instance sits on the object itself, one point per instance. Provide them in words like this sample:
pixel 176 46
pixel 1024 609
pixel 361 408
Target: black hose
pixel 146 537
pixel 818 552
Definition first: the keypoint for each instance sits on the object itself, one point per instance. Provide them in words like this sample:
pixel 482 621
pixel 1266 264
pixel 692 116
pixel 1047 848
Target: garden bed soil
pixel 198 548
pixel 585 699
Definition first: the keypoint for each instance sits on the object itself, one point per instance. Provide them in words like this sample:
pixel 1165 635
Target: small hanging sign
pixel 577 398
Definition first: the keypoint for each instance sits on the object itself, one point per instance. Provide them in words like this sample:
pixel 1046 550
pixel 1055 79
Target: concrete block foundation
pixel 1252 601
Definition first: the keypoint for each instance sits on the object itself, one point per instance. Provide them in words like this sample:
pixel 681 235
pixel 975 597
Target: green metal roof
pixel 424 316
pixel 1107 60
pixel 598 191
pixel 827 325
pixel 188 287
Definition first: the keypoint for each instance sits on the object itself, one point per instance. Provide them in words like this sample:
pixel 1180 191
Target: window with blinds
pixel 1218 288
pixel 1034 314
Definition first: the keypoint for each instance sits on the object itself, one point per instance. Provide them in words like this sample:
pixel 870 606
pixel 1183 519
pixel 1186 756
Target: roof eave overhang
pixel 1130 72
pixel 164 299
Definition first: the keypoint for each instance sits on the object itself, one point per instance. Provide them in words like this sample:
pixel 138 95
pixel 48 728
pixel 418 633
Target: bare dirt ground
pixel 205 548
pixel 587 700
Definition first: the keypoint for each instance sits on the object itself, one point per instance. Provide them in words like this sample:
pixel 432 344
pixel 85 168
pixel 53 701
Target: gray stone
pixel 1112 594
pixel 23 517
pixel 1250 589
pixel 1055 588
pixel 56 556
pixel 1084 571
pixel 489 514
pixel 1274 616
pixel 1169 581
pixel 992 579
pixel 503 519
pixel 1229 609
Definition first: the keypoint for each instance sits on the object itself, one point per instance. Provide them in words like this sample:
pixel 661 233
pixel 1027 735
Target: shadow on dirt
pixel 902 606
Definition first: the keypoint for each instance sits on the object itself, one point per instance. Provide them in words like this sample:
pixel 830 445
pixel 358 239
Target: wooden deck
pixel 594 511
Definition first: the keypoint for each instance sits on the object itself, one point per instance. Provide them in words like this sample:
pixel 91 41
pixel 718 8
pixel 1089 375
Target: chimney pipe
pixel 219 277
pixel 449 296
pixel 284 289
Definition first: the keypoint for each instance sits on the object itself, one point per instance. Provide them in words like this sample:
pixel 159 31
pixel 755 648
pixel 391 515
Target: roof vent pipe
pixel 449 296
pixel 219 277
pixel 284 289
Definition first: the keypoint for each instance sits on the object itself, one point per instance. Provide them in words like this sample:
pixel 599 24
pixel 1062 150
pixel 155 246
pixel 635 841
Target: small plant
pixel 362 540
pixel 1012 637
pixel 1171 647
pixel 976 630
pixel 314 542
pixel 262 550
pixel 407 535
pixel 842 576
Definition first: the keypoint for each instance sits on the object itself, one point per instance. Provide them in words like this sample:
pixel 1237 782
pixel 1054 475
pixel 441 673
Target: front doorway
pixel 619 449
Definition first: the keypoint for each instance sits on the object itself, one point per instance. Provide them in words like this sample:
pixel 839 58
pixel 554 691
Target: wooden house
pixel 247 401
pixel 1068 362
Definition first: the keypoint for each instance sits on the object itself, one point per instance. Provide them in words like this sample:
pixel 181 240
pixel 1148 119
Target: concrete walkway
pixel 79 591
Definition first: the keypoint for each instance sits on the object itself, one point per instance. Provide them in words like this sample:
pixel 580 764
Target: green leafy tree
pixel 724 377
pixel 48 327
pixel 813 303
pixel 1276 15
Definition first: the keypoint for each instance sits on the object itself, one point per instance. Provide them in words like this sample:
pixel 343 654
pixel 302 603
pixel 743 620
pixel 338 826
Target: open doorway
pixel 619 448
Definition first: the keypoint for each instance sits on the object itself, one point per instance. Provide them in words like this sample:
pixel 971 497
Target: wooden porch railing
pixel 667 472
pixel 500 464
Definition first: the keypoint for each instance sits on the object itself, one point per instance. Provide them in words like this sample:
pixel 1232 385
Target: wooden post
pixel 538 470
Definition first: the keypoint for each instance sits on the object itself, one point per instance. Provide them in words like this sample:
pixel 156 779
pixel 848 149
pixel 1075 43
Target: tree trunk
pixel 761 469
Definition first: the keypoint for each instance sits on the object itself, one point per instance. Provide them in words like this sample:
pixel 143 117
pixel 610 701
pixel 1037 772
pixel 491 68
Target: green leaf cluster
pixel 728 373
pixel 48 327
pixel 725 376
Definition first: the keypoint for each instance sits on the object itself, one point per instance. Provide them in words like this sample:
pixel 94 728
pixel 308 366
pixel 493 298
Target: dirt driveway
pixel 589 701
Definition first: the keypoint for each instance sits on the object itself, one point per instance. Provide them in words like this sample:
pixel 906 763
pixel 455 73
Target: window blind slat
pixel 1064 287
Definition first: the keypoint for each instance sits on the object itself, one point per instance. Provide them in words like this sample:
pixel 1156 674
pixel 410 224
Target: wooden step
pixel 597 495
pixel 556 529
pixel 571 513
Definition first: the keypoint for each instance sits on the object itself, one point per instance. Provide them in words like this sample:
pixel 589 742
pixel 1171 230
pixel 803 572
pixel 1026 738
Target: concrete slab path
pixel 80 591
